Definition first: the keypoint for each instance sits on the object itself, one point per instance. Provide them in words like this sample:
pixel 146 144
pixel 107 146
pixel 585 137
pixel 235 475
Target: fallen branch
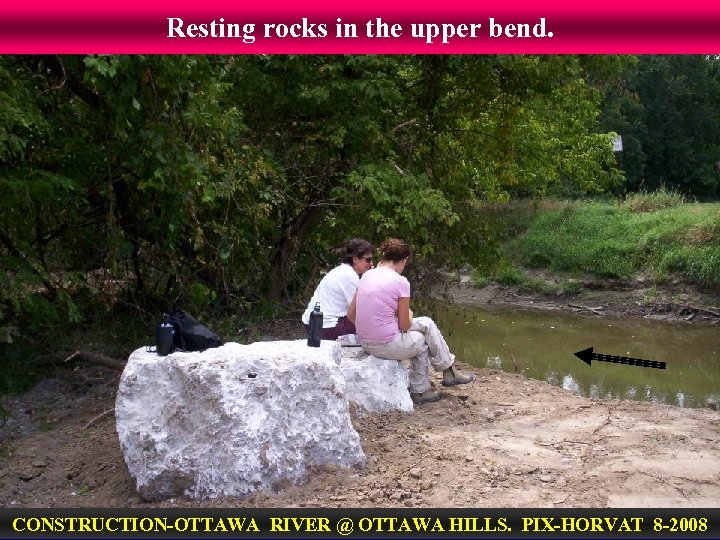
pixel 96 358
pixel 99 417
pixel 607 421
pixel 564 441
pixel 712 311
pixel 595 310
pixel 411 467
pixel 664 481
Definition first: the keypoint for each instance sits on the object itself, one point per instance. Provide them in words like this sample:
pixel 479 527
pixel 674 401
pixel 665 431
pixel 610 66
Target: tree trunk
pixel 286 251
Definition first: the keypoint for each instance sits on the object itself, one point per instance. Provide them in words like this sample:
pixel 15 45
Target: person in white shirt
pixel 336 290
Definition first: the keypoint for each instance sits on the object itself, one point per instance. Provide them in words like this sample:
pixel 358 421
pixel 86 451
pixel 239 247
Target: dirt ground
pixel 502 441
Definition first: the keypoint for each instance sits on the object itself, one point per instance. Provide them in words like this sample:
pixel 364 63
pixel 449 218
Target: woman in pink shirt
pixel 386 328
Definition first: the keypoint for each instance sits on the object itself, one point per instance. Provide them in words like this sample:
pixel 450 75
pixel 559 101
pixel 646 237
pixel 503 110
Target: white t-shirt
pixel 334 293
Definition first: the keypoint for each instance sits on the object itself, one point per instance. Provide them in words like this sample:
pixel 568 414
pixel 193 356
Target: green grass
pixel 679 241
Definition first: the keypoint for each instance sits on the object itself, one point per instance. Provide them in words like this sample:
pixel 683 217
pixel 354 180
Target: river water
pixel 542 344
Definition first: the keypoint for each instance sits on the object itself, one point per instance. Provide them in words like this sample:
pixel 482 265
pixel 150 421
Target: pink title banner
pixel 371 27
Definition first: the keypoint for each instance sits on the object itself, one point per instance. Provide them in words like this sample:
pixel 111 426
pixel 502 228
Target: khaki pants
pixel 423 345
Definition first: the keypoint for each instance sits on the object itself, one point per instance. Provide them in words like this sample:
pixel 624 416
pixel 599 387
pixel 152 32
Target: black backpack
pixel 190 335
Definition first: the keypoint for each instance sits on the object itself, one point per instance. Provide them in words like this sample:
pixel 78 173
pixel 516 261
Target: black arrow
pixel 588 355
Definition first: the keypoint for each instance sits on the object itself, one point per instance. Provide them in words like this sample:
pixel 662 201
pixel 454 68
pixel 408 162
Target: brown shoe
pixel 428 396
pixel 452 377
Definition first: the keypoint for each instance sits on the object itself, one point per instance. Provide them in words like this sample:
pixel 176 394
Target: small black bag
pixel 190 335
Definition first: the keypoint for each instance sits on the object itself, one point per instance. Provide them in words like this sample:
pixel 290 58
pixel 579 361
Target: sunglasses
pixel 366 259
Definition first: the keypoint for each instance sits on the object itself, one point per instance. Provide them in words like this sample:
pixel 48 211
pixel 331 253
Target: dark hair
pixel 357 247
pixel 395 250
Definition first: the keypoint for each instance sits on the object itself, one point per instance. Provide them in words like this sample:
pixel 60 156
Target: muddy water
pixel 541 345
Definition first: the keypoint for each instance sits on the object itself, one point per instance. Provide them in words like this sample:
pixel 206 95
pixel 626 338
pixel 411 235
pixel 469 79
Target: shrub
pixel 648 202
pixel 479 279
pixel 509 275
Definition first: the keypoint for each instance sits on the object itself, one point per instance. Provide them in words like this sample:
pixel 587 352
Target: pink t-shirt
pixel 376 306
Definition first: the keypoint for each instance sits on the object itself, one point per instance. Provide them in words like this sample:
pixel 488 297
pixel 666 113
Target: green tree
pixel 668 112
pixel 215 180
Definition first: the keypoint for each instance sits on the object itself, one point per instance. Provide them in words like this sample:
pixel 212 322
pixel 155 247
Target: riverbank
pixel 646 239
pixel 503 441
pixel 674 301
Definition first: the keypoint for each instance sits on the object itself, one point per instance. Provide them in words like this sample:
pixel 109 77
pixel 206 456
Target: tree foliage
pixel 667 108
pixel 213 180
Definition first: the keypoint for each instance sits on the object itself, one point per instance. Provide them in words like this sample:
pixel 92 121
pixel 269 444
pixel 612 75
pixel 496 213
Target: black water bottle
pixel 315 326
pixel 164 338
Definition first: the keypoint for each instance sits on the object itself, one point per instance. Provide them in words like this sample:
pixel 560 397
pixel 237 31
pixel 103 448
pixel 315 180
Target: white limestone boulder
pixel 201 425
pixel 375 384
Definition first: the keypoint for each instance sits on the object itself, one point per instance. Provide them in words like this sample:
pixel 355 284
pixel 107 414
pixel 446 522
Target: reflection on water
pixel 542 345
pixel 570 384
